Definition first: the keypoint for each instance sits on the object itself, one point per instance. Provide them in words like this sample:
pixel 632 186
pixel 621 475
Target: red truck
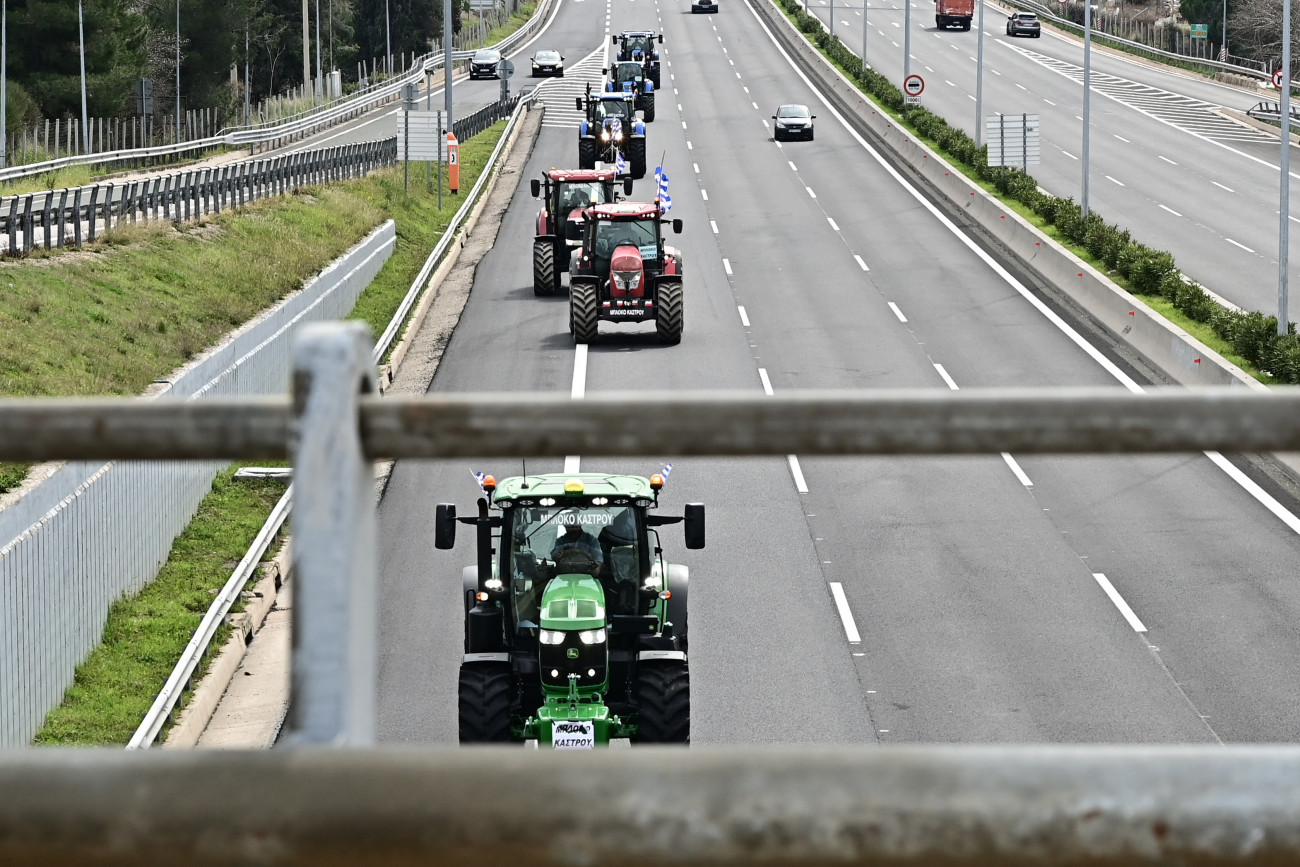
pixel 953 13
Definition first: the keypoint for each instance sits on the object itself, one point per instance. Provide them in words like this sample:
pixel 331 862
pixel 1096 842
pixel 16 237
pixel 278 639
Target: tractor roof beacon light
pixel 489 484
pixel 574 488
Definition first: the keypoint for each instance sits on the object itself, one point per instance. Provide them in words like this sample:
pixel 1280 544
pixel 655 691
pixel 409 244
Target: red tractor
pixel 625 272
pixel 560 223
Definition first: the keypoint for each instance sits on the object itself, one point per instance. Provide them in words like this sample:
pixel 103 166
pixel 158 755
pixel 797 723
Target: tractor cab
pixel 627 76
pixel 610 106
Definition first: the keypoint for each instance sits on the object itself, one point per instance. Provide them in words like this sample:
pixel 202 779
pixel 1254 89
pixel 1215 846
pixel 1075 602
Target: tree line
pixel 130 40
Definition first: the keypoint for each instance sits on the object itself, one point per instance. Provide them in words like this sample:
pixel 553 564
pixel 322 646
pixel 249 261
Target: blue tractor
pixel 630 76
pixel 609 130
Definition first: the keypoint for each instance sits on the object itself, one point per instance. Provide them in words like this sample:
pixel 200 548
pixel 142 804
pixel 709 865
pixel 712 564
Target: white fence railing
pixel 92 531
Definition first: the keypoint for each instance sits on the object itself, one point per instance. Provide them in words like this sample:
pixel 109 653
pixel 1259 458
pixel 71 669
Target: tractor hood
pixel 627 272
pixel 573 602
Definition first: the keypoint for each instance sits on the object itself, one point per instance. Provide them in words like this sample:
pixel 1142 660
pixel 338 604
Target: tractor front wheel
pixel 486 689
pixel 648 107
pixel 663 693
pixel 545 279
pixel 636 156
pixel 669 312
pixel 586 153
pixel 584 320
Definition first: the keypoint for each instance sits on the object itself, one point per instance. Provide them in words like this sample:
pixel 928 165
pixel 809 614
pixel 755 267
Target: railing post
pixel 334 626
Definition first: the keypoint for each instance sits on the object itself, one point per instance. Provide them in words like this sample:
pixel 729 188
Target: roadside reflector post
pixel 453 163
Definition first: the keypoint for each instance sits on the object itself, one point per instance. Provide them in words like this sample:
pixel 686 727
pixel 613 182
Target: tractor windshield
pixel 613 108
pixel 644 44
pixel 629 72
pixel 580 195
pixel 612 234
pixel 599 540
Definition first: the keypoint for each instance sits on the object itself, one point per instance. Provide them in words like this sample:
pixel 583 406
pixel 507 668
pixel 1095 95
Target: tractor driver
pixel 576 537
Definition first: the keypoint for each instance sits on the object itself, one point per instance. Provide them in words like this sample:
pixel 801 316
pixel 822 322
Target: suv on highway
pixel 1023 24
pixel 484 63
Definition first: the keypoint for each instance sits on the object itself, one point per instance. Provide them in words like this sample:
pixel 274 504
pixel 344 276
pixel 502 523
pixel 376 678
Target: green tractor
pixel 575 626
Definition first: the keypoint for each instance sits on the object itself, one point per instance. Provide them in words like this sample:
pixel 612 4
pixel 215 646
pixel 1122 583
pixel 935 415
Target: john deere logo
pixel 572 653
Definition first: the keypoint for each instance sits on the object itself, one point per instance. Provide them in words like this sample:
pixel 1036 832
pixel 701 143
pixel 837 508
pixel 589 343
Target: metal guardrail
pixel 55 218
pixel 1026 805
pixel 1272 111
pixel 274 133
pixel 167 700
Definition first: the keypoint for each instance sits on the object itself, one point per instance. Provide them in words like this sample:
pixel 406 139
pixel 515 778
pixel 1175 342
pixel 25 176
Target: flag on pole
pixel 661 179
pixel 620 167
pixel 666 471
pixel 478 477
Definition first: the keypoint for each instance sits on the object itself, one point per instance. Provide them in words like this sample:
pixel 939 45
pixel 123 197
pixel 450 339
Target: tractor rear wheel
pixel 648 106
pixel 669 312
pixel 545 279
pixel 636 156
pixel 663 694
pixel 586 153
pixel 584 320
pixel 486 690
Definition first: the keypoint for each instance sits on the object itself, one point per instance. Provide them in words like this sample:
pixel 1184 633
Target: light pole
pixel 320 82
pixel 979 78
pixel 248 85
pixel 388 37
pixel 178 71
pixel 864 35
pixel 1087 99
pixel 446 64
pixel 832 19
pixel 81 41
pixel 4 79
pixel 1284 194
pixel 907 38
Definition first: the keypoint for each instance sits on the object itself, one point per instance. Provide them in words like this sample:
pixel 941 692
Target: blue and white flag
pixel 478 477
pixel 666 471
pixel 665 200
pixel 620 167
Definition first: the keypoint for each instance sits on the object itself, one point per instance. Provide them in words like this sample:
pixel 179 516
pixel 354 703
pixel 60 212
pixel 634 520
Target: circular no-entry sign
pixel 913 85
pixel 1277 79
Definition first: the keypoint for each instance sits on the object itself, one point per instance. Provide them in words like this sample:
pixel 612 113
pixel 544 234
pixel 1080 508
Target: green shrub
pixel 1283 359
pixel 1195 304
pixel 1148 271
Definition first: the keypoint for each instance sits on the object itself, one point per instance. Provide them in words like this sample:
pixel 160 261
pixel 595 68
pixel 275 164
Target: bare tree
pixel 1255 30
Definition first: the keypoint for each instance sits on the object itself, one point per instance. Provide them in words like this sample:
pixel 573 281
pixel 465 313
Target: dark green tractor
pixel 575 625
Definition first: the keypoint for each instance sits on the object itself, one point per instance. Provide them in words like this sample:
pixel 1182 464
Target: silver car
pixel 1024 24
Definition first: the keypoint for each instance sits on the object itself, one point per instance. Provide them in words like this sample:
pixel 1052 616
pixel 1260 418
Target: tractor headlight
pixel 591 636
pixel 550 636
pixel 627 280
pixel 604 135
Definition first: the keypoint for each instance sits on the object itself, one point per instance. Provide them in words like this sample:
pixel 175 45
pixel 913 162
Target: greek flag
pixel 665 200
pixel 620 167
pixel 478 477
pixel 666 471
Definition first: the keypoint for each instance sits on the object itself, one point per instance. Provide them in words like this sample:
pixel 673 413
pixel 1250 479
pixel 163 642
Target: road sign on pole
pixel 913 86
pixel 1277 79
pixel 1200 31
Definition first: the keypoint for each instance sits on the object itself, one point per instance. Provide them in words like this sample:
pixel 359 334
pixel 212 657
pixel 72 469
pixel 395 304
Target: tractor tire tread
pixel 670 312
pixel 485 695
pixel 545 279
pixel 664 703
pixel 584 319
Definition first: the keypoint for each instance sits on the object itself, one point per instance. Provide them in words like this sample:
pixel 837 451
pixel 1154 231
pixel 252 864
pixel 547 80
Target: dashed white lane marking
pixel 690 147
pixel 834 225
pixel 1049 102
pixel 810 192
pixel 1238 244
pixel 861 264
pixel 572 463
pixel 683 127
pixel 1166 159
pixel 1119 602
pixel 797 472
pixel 897 312
pixel 1121 138
pixel 726 266
pixel 1113 181
pixel 1015 468
pixel 778 144
pixel 1170 210
pixel 767 383
pixel 755 105
pixel 704 193
pixel 714 226
pixel 946 378
pixel 792 166
pixel 697 167
pixel 744 319
pixel 679 106
pixel 746 89
pixel 846 616
pixel 1222 187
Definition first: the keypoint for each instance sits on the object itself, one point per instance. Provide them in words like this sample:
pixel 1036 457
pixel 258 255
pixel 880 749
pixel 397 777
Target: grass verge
pixel 146 633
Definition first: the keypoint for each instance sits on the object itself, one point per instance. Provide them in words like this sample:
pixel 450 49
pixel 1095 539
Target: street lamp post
pixel 178 71
pixel 979 78
pixel 320 82
pixel 907 38
pixel 81 41
pixel 388 37
pixel 1087 99
pixel 1284 194
pixel 4 80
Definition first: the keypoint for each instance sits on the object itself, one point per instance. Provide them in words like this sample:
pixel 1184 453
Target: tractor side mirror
pixel 537 188
pixel 677 230
pixel 444 526
pixel 773 117
pixel 661 39
pixel 613 39
pixel 578 100
pixel 604 70
pixel 627 186
pixel 694 525
pixel 814 117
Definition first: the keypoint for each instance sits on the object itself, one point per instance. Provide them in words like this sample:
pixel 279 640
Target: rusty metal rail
pixel 931 805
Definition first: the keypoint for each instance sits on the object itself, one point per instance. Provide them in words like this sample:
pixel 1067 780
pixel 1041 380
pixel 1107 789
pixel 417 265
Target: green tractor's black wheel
pixel 669 312
pixel 648 107
pixel 663 695
pixel 636 156
pixel 486 689
pixel 584 320
pixel 586 153
pixel 545 278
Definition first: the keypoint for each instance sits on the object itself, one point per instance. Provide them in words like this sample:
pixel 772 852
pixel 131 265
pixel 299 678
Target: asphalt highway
pixel 988 599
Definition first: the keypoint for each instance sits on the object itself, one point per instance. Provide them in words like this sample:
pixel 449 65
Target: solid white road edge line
pixel 767 383
pixel 944 375
pixel 797 472
pixel 1119 602
pixel 846 616
pixel 744 320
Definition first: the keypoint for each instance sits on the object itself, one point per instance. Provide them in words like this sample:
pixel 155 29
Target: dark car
pixel 1023 24
pixel 704 6
pixel 484 63
pixel 792 121
pixel 548 63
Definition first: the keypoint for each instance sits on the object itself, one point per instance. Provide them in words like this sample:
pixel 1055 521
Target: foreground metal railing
pixel 884 805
